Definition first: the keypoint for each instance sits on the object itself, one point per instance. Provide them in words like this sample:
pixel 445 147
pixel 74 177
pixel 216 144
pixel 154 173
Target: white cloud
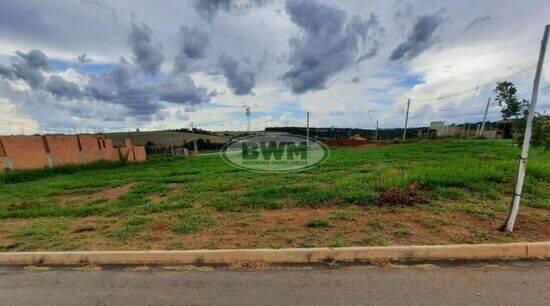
pixel 475 44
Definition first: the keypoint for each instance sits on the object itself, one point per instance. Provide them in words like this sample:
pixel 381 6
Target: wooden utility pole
pixel 514 207
pixel 406 120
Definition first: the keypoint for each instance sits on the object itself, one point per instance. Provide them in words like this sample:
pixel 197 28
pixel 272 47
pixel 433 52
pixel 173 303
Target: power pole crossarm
pixel 514 207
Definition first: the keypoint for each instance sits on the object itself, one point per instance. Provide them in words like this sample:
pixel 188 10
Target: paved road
pixel 515 283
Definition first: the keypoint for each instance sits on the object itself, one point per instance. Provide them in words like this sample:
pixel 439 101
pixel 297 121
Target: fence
pixel 32 152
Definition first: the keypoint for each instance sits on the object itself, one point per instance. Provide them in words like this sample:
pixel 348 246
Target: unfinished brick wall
pixel 64 149
pixel 90 148
pixel 30 152
pixel 111 154
pixel 25 152
pixel 139 153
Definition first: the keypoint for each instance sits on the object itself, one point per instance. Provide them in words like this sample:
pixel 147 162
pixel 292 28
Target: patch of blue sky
pixel 409 80
pixel 60 65
pixel 95 68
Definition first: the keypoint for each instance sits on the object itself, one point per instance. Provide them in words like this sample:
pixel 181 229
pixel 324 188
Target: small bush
pixel 540 135
pixel 409 196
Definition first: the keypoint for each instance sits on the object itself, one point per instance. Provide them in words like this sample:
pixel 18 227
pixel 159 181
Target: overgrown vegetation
pixel 203 202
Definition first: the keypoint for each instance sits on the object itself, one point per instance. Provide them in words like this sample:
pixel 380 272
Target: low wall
pixel 34 152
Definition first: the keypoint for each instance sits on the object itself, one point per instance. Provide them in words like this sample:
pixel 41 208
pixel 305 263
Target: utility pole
pixel 514 207
pixel 248 119
pixel 484 118
pixel 307 135
pixel 195 147
pixel 376 132
pixel 406 120
pixel 171 143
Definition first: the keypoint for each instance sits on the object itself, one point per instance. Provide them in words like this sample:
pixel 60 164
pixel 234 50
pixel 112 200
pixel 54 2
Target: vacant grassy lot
pixel 458 192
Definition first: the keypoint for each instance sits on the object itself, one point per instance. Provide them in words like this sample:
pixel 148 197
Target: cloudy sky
pixel 89 65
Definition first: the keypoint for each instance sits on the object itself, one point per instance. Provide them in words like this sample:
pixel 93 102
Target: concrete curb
pixel 522 250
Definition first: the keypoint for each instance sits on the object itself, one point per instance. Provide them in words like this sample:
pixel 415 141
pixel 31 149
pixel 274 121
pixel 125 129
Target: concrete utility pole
pixel 248 119
pixel 195 147
pixel 171 143
pixel 376 132
pixel 307 135
pixel 484 118
pixel 406 120
pixel 514 207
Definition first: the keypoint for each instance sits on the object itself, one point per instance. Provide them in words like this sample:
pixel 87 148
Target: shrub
pixel 540 135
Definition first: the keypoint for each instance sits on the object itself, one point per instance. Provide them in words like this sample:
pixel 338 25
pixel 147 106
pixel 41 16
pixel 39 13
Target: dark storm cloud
pixel 62 88
pixel 193 42
pixel 419 39
pixel 34 58
pixel 148 56
pixel 240 78
pixel 356 80
pixel 209 8
pixel 125 84
pixel 180 89
pixel 29 66
pixel 330 43
pixel 6 72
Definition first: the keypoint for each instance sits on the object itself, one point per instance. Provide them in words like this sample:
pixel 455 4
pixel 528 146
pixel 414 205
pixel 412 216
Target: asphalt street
pixel 501 283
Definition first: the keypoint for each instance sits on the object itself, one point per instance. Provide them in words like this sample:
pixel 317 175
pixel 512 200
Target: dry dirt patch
pixel 105 194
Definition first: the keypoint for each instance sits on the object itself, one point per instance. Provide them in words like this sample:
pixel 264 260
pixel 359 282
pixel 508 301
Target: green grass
pixel 475 177
pixel 192 221
pixel 450 170
pixel 317 223
pixel 131 226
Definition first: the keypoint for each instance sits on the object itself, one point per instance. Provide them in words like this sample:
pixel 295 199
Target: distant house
pixel 357 137
pixel 438 126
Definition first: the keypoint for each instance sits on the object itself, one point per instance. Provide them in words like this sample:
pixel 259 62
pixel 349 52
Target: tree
pixel 512 107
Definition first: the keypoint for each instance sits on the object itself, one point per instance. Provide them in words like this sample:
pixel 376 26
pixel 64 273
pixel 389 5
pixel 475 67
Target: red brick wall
pixel 25 152
pixel 28 152
pixel 90 147
pixel 64 149
pixel 140 154
pixel 111 154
